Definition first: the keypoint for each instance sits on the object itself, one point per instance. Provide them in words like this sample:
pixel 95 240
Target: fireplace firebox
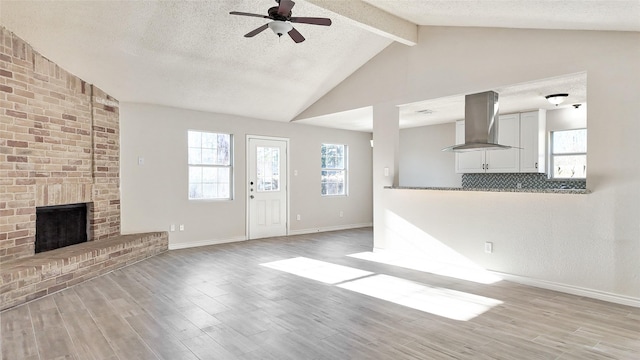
pixel 60 226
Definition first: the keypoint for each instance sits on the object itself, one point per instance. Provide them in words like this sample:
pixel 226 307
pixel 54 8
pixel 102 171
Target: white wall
pixel 567 118
pixel 422 163
pixel 581 241
pixel 155 195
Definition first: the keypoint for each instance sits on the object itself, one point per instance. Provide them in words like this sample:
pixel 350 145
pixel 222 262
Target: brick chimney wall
pixel 59 144
pixel 104 213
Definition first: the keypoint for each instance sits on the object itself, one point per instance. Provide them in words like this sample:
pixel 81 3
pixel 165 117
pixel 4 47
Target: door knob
pixel 251 197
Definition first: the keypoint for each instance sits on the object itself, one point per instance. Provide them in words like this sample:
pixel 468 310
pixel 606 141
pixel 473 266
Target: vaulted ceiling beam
pixel 373 19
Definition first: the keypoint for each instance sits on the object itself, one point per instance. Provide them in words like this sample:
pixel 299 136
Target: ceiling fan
pixel 282 19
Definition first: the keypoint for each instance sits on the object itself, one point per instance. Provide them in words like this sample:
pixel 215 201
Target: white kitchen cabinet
pixel 532 141
pixel 492 161
pixel 505 161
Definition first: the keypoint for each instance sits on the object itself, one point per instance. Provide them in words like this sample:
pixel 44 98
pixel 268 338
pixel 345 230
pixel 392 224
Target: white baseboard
pixel 190 244
pixel 570 289
pixel 329 228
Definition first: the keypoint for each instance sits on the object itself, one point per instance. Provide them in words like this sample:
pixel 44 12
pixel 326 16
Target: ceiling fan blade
pixel 311 20
pixel 296 36
pixel 285 7
pixel 249 14
pixel 257 31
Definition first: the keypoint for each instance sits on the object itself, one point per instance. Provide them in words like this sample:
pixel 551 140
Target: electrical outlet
pixel 298 217
pixel 295 172
pixel 181 227
pixel 173 227
pixel 488 247
pixel 140 160
pixel 341 213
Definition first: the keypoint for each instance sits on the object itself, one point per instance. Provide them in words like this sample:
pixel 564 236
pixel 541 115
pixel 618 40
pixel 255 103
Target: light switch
pixel 181 227
pixel 140 160
pixel 386 171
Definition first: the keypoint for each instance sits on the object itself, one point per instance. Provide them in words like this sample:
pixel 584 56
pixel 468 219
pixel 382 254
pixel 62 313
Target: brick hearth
pixel 32 277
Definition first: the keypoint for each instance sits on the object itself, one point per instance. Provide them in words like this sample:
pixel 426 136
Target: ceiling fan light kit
pixel 280 27
pixel 282 19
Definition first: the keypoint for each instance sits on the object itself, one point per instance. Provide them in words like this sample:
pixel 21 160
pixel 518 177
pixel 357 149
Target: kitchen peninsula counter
pixel 524 190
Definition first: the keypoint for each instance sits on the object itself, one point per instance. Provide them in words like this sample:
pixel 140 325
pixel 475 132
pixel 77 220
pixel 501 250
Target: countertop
pixel 541 191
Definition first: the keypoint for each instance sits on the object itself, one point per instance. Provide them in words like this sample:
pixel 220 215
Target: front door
pixel 267 187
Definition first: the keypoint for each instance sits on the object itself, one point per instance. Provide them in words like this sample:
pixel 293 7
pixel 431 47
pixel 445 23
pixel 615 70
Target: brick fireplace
pixel 59 145
pixel 59 149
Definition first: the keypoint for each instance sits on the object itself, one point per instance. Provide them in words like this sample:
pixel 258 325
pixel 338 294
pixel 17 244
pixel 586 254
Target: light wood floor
pixel 218 302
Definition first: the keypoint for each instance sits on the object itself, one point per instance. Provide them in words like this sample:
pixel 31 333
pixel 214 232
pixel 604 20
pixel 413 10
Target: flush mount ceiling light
pixel 556 99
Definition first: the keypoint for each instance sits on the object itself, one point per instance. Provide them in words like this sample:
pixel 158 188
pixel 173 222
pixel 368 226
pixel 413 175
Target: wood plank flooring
pixel 218 302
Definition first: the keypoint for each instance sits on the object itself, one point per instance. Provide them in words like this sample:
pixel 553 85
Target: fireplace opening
pixel 60 226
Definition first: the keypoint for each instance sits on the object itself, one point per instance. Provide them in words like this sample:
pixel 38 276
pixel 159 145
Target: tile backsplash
pixel 511 180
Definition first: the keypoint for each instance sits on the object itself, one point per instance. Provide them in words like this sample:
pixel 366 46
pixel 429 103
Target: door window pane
pixel 268 168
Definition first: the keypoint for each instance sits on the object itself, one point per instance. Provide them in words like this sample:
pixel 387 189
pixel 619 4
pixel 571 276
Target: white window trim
pixel 230 167
pixel 345 171
pixel 552 156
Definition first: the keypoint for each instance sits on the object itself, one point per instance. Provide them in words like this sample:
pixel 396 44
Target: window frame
pixel 553 155
pixel 344 169
pixel 230 166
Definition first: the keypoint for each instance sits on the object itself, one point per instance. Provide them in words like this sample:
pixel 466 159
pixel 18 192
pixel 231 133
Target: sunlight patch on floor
pixel 475 274
pixel 317 270
pixel 452 304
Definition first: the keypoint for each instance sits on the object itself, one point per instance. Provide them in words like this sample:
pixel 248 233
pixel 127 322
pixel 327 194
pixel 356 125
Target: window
pixel 569 154
pixel 210 170
pixel 334 169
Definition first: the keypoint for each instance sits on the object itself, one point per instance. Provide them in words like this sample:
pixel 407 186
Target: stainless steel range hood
pixel 480 123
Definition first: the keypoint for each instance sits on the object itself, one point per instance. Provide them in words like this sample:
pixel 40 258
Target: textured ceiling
pixel 513 98
pixel 193 54
pixel 622 15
